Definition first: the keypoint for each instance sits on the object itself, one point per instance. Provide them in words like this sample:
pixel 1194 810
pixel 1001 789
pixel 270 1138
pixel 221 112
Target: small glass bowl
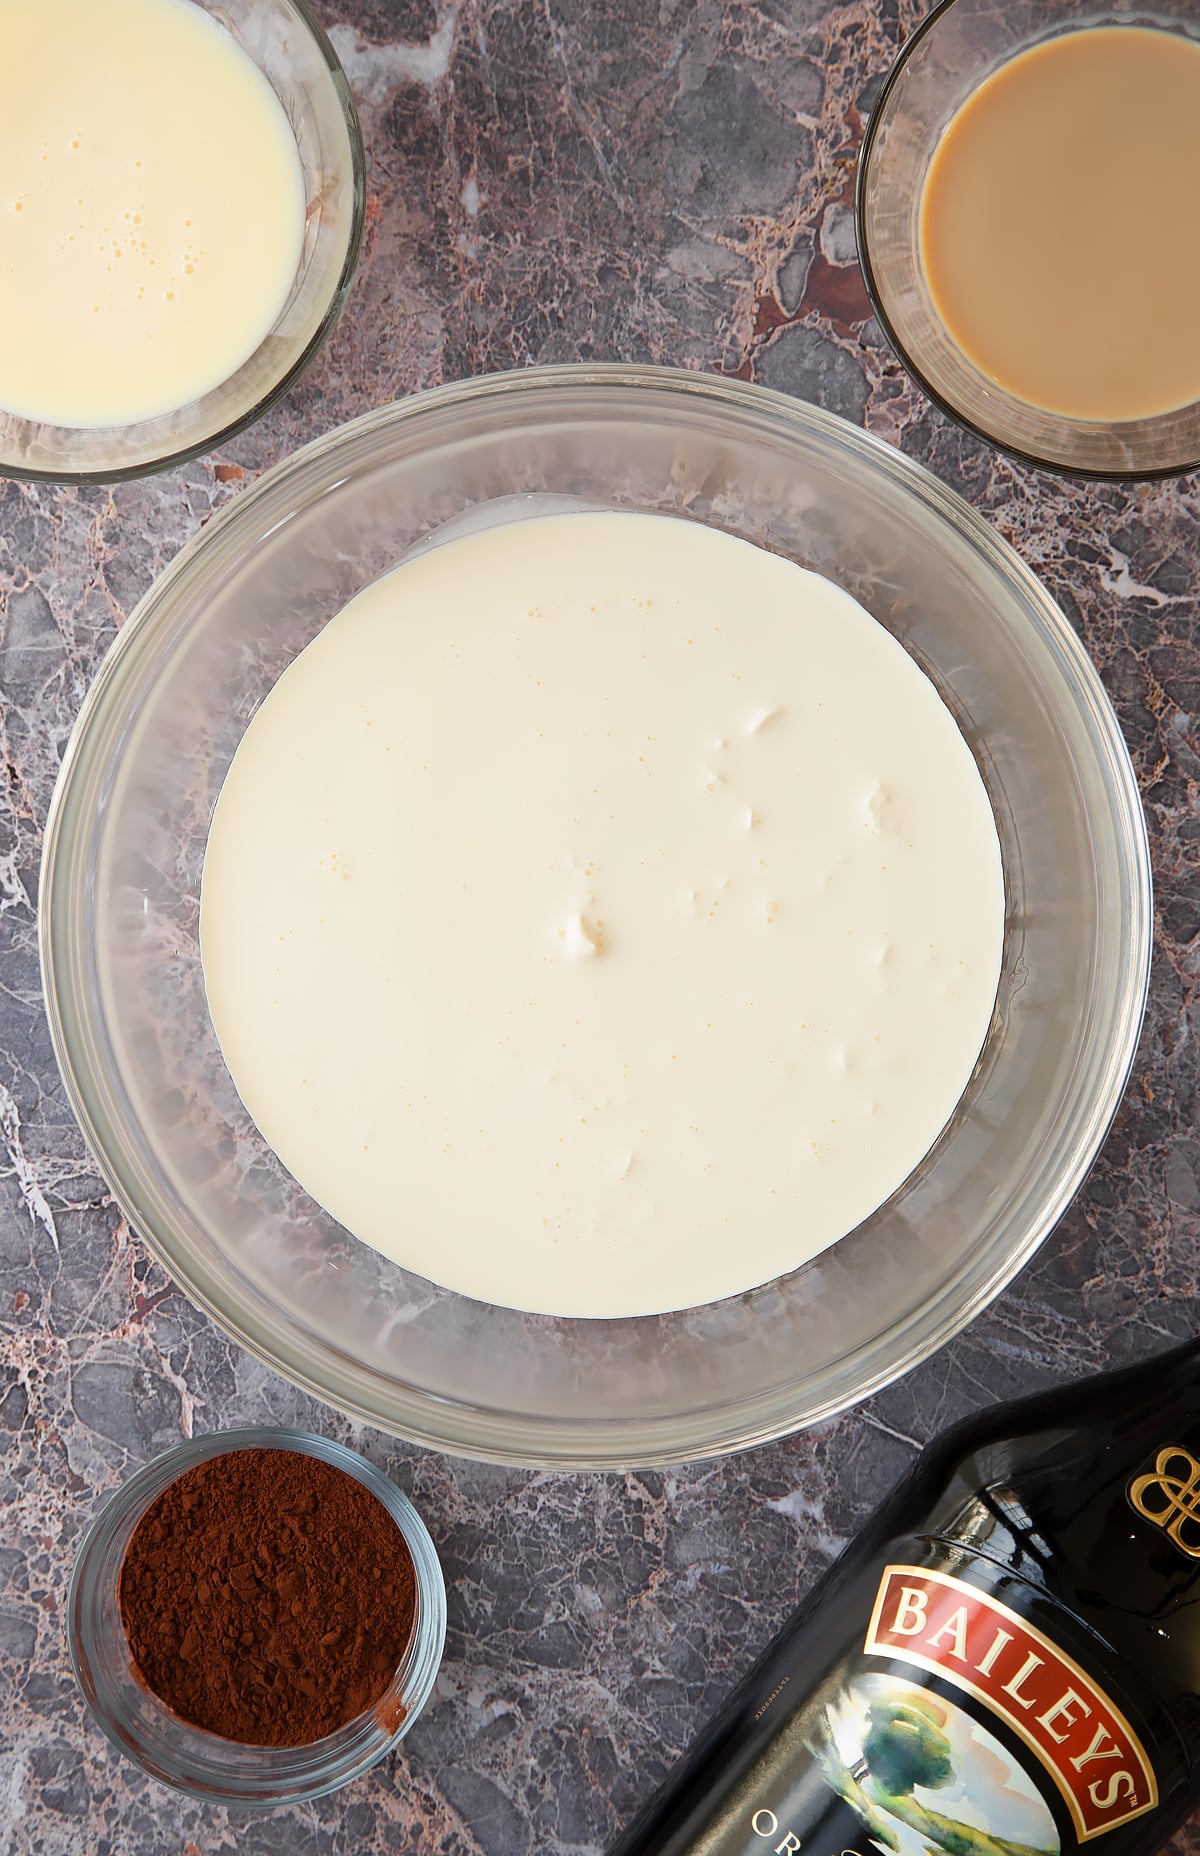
pixel 949 55
pixel 185 1757
pixel 289 46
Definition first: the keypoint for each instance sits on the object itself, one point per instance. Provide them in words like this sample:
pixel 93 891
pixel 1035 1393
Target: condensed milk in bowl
pixel 179 221
pixel 595 916
pixel 1024 212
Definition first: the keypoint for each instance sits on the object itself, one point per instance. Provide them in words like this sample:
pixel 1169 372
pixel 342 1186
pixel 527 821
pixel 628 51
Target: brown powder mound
pixel 267 1597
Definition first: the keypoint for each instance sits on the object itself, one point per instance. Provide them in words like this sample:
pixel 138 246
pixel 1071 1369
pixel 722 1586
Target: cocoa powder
pixel 268 1597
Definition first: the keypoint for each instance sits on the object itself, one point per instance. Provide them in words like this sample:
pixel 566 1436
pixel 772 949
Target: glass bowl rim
pixel 497 1434
pixel 1078 473
pixel 357 177
pixel 419 1665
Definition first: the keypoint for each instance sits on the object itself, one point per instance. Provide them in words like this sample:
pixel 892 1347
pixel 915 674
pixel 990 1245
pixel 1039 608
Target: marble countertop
pixel 551 180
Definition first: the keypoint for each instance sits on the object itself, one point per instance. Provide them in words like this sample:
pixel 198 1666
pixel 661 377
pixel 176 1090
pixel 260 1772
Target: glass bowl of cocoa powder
pixel 257 1617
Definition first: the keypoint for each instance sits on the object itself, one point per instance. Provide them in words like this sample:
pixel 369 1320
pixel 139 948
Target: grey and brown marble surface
pixel 650 180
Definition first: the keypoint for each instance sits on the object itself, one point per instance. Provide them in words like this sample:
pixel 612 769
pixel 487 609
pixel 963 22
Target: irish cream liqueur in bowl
pixel 1024 198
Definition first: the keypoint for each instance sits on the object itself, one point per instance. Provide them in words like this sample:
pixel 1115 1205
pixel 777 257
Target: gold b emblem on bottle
pixel 1170 1497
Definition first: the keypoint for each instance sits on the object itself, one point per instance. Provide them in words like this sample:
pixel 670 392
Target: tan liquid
pixel 1058 225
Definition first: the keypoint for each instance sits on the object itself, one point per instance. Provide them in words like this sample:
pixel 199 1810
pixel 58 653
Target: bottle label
pixel 969 1639
pixel 954 1727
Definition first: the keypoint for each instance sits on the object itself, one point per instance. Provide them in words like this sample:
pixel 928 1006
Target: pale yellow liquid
pixel 1058 225
pixel 151 208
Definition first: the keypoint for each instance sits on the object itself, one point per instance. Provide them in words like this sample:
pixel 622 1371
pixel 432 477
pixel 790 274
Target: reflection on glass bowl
pixel 125 847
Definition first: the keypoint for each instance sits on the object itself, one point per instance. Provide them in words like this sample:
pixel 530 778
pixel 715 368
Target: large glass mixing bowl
pixel 125 847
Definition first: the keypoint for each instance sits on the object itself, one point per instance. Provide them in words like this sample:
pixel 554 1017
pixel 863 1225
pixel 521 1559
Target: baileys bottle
pixel 1006 1662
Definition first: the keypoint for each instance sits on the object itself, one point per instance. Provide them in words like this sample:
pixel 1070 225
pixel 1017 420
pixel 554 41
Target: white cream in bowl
pixel 603 915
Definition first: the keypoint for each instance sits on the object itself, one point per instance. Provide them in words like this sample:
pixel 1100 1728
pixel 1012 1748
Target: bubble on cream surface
pixel 602 915
pixel 151 208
